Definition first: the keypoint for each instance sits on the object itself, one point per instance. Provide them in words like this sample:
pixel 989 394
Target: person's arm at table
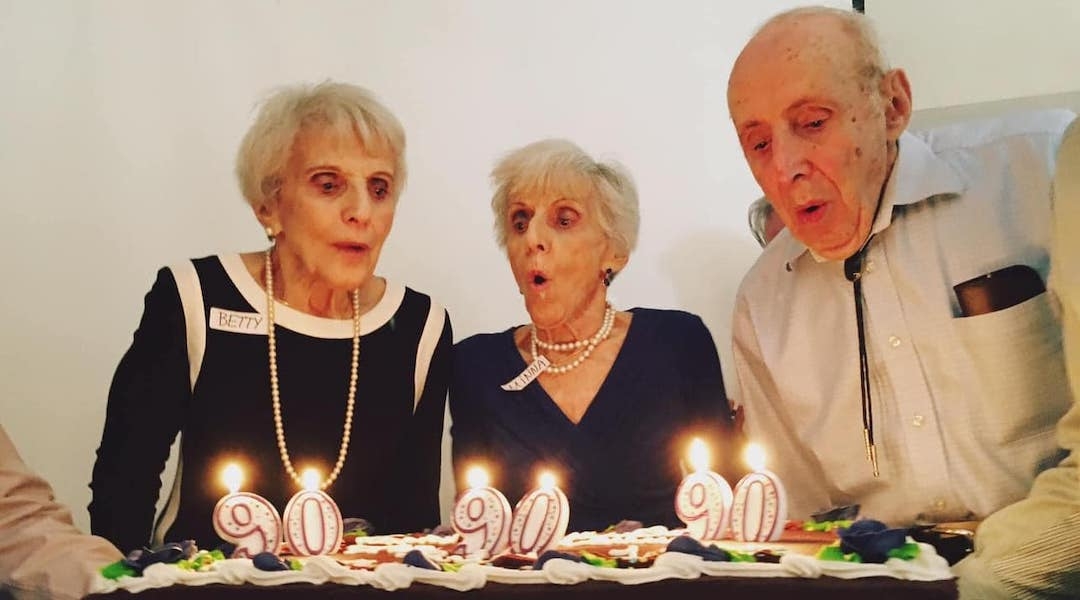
pixel 42 553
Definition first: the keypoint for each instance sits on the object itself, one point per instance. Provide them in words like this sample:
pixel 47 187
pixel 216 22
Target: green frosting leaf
pixel 825 525
pixel 451 567
pixel 834 553
pixel 599 561
pixel 117 570
pixel 909 551
pixel 296 565
pixel 740 556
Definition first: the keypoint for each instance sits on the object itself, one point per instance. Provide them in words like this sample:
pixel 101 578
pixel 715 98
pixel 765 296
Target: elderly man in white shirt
pixel 860 369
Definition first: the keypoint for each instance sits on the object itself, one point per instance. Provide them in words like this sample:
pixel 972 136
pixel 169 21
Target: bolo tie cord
pixel 853 273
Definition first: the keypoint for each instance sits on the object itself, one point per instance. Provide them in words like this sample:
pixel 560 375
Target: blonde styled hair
pixel 559 166
pixel 339 107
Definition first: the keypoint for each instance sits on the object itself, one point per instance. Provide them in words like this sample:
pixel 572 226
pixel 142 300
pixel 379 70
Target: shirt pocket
pixel 1018 359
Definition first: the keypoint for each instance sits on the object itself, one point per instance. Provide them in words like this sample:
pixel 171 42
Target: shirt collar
pixel 917 175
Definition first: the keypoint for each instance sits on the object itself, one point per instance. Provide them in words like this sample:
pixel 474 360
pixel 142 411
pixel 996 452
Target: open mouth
pixel 811 213
pixel 538 279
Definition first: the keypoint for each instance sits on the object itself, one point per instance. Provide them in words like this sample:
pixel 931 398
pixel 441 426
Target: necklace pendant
pixel 531 372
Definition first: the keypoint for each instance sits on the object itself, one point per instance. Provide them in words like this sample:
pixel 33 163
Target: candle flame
pixel 477 477
pixel 699 455
pixel 755 457
pixel 233 476
pixel 311 479
pixel 547 480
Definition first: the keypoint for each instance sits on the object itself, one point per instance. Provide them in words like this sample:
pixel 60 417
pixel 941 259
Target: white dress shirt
pixel 963 407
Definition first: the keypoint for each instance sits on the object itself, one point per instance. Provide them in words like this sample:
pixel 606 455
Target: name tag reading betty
pixel 527 376
pixel 237 322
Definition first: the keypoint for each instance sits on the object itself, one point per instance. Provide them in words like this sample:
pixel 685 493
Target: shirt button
pixel 869 266
pixel 917 420
pixel 894 341
pixel 939 504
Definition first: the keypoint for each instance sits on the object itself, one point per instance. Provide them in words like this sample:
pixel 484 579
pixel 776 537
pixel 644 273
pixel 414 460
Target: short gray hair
pixel 872 63
pixel 560 166
pixel 345 108
pixel 758 216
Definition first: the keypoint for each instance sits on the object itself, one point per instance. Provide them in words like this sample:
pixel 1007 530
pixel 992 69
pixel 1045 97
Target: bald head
pixel 818 117
pixel 845 40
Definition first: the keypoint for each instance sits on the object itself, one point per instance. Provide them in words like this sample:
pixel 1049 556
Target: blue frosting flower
pixel 268 561
pixel 688 545
pixel 871 540
pixel 169 553
pixel 416 558
pixel 550 554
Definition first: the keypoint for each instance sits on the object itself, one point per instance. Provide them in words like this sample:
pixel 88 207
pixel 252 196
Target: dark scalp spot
pixel 854 119
pixel 858 150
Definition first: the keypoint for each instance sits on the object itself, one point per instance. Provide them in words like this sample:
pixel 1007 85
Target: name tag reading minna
pixel 527 376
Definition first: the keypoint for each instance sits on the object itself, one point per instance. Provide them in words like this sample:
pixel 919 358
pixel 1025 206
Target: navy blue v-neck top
pixel 623 459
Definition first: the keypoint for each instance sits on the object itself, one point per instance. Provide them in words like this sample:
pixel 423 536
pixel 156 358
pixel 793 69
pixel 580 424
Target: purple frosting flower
pixel 871 540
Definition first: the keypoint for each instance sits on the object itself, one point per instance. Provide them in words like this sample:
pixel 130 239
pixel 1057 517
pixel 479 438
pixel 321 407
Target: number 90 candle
pixel 540 518
pixel 760 510
pixel 247 520
pixel 482 516
pixel 703 500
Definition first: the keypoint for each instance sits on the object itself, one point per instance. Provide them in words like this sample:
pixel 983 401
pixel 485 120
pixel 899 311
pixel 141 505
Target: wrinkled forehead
pixel 787 62
pixel 551 184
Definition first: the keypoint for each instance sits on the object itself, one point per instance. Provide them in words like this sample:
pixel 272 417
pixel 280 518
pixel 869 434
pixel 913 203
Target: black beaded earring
pixel 608 276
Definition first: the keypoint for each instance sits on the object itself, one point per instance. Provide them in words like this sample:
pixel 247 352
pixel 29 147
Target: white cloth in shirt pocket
pixel 1018 358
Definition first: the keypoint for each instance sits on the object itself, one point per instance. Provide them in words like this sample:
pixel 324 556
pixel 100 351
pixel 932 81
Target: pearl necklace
pixel 279 429
pixel 589 344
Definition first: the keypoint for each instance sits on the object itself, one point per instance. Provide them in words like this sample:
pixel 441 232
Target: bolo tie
pixel 853 272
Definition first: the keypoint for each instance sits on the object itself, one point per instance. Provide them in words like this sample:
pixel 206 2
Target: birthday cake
pixel 642 555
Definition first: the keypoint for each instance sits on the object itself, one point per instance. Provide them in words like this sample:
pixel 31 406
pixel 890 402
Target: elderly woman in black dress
pixel 295 356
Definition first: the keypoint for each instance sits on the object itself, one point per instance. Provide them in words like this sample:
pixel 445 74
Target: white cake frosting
pixel 927 566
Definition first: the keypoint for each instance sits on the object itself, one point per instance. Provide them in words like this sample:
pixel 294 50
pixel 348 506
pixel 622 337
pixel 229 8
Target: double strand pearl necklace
pixel 279 429
pixel 589 344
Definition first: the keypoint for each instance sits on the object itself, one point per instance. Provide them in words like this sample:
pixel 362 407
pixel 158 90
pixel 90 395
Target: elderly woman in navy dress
pixel 606 399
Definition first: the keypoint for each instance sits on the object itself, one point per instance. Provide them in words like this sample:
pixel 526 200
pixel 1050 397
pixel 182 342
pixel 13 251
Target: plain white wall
pixel 119 121
pixel 960 52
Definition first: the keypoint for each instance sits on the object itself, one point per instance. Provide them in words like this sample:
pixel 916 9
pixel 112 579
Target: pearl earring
pixel 269 233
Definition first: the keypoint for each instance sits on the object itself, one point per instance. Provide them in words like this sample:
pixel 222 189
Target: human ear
pixel 896 95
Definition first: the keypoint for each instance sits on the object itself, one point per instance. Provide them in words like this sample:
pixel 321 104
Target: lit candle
pixel 760 509
pixel 246 520
pixel 703 500
pixel 482 516
pixel 540 518
pixel 312 520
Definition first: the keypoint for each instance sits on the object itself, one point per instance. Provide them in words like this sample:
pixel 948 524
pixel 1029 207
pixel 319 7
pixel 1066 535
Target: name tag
pixel 237 322
pixel 527 376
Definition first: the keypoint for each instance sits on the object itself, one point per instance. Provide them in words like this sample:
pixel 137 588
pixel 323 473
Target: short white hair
pixel 560 166
pixel 758 216
pixel 341 107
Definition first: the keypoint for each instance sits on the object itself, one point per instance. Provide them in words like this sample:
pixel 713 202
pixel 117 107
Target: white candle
pixel 246 520
pixel 703 500
pixel 313 522
pixel 482 516
pixel 760 510
pixel 540 518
